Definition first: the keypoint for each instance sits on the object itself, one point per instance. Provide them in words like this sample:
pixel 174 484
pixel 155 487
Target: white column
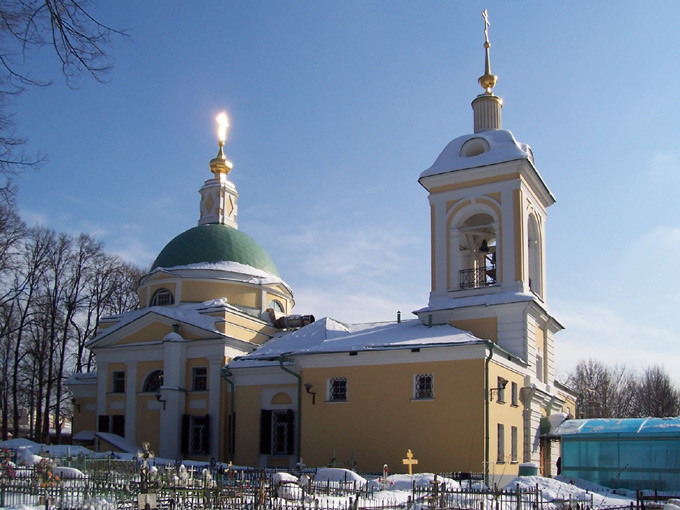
pixel 102 388
pixel 214 385
pixel 174 394
pixel 131 401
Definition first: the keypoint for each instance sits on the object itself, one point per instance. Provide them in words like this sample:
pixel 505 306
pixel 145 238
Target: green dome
pixel 213 243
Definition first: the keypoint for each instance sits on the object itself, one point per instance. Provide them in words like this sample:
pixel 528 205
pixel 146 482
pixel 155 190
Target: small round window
pixel 162 297
pixel 474 147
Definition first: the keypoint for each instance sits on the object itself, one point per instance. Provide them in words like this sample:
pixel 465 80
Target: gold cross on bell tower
pixel 488 80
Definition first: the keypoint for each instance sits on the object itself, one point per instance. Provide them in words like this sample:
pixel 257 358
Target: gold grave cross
pixel 409 461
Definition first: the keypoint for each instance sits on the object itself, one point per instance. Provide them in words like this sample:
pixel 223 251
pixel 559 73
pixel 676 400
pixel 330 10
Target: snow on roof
pixel 192 314
pixel 328 335
pixel 84 435
pixel 258 276
pixel 448 303
pixel 82 378
pixel 119 442
pixel 502 147
pixel 639 426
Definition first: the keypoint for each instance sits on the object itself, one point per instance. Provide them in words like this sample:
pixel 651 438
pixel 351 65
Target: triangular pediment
pixel 149 326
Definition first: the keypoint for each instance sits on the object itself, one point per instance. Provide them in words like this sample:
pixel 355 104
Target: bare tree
pixel 80 43
pixel 656 394
pixel 606 392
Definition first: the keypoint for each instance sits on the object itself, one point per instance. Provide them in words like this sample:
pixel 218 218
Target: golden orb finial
pixel 220 165
pixel 487 80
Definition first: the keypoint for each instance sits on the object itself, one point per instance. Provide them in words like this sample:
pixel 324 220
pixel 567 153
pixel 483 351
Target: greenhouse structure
pixel 631 453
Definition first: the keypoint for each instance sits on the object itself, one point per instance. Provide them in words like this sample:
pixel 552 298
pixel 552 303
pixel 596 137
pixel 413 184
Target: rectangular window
pixel 115 424
pixel 277 432
pixel 195 434
pixel 501 389
pixel 337 389
pixel 514 396
pixel 199 378
pixel 501 443
pixel 423 386
pixel 118 377
pixel 513 443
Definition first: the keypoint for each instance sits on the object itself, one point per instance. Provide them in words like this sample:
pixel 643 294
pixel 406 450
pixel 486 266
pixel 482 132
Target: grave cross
pixel 409 461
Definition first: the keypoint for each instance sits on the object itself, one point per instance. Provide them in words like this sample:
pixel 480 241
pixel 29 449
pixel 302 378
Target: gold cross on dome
pixel 485 15
pixel 409 461
pixel 223 123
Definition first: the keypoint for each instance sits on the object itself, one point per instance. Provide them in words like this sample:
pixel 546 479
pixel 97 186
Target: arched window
pixel 276 305
pixel 153 382
pixel 534 256
pixel 162 297
pixel 477 251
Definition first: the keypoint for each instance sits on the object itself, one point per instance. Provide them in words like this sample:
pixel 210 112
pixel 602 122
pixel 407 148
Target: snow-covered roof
pixel 447 303
pixel 118 442
pixel 247 273
pixel 193 314
pixel 328 336
pixel 627 426
pixel 499 146
pixel 82 378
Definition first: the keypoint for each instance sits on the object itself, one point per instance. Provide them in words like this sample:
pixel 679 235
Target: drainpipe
pixel 226 374
pixel 490 344
pixel 298 418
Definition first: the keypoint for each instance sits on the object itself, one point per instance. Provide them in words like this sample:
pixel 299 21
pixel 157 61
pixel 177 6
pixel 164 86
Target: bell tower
pixel 488 217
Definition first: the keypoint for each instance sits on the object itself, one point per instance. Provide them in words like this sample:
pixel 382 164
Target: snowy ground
pixel 394 490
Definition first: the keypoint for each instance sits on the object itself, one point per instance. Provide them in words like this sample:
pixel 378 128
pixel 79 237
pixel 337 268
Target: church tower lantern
pixel 219 195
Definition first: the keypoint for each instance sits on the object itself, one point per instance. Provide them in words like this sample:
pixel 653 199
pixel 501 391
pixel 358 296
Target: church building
pixel 214 364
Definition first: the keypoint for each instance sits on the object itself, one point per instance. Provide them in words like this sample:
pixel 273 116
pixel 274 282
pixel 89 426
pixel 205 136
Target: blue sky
pixel 336 108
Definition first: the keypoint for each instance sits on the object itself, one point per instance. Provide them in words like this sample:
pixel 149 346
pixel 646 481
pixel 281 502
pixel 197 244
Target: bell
pixel 484 247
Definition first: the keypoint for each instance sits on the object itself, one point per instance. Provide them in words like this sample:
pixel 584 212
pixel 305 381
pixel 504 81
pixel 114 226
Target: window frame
pixel 514 443
pixel 148 386
pixel 500 390
pixel 195 377
pixel 162 294
pixel 117 379
pixel 514 396
pixel 425 393
pixel 337 393
pixel 500 446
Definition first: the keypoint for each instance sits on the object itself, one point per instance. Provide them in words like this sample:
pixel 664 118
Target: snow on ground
pixel 394 490
pixel 564 489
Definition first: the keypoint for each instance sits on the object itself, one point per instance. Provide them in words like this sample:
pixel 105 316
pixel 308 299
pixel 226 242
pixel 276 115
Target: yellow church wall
pixel 142 292
pixel 152 333
pixel 380 420
pixel 247 438
pixel 148 421
pixel 205 290
pixel 82 418
pixel 508 415
pixel 486 328
pixel 243 333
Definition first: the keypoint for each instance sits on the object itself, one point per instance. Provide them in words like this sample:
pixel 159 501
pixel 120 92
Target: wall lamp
pixel 502 383
pixel 308 387
pixel 158 397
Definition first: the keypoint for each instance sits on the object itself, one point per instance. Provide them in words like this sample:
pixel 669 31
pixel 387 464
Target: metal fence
pixel 219 489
